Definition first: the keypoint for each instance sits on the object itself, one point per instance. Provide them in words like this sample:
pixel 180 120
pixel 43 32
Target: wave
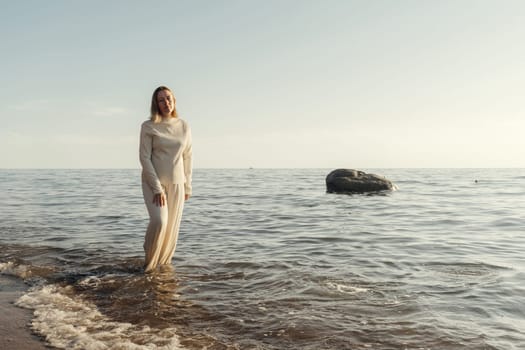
pixel 68 322
pixel 68 318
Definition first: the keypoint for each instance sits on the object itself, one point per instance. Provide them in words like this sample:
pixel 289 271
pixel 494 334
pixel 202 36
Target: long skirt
pixel 164 223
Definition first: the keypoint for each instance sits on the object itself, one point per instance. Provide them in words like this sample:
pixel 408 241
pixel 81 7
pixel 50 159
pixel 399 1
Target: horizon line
pixel 259 168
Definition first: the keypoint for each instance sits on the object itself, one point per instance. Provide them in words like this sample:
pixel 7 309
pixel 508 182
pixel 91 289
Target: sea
pixel 266 259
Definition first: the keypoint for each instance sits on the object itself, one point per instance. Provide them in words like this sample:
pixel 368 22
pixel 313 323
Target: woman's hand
pixel 186 197
pixel 159 199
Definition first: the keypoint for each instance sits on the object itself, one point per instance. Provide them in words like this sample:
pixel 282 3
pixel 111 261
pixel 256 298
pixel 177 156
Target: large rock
pixel 355 181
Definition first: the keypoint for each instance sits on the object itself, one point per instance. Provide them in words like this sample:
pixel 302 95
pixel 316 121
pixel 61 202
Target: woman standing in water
pixel 166 159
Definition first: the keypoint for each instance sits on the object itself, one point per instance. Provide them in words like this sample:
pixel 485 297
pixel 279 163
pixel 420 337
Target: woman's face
pixel 166 102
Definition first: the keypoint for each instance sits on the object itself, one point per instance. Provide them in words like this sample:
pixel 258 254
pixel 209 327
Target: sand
pixel 15 333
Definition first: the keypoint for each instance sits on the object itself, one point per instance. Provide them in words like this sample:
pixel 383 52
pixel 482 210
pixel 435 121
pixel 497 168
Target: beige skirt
pixel 164 223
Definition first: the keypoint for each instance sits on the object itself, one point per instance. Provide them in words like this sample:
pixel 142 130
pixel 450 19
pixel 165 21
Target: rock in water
pixel 355 181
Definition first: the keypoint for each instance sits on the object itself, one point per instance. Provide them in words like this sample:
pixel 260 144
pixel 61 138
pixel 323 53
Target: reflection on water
pixel 268 260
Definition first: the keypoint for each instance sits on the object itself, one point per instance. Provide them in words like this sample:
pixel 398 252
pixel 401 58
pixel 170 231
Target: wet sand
pixel 15 333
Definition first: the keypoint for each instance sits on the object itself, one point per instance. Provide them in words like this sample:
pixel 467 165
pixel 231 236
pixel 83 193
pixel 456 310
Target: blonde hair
pixel 154 110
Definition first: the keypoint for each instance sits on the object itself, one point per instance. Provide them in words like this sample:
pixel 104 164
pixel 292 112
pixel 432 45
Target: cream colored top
pixel 165 154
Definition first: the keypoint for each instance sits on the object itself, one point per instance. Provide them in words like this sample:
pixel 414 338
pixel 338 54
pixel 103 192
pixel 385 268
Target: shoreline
pixel 15 333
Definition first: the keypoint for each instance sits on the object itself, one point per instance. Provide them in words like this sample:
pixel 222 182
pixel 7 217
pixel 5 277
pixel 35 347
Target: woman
pixel 166 159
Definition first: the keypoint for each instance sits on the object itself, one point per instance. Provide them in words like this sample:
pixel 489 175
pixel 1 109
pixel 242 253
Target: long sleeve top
pixel 166 154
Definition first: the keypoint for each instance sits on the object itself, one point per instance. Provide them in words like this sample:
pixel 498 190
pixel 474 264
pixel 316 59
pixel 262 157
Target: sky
pixel 266 84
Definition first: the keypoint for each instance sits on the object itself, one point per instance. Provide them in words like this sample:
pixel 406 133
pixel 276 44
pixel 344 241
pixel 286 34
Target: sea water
pixel 266 259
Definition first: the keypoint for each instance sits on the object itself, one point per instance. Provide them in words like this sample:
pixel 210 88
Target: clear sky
pixel 266 83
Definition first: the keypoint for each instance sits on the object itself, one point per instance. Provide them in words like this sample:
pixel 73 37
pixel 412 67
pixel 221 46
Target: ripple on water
pixel 266 259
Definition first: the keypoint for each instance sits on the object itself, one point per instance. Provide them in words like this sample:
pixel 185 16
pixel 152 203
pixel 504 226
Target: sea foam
pixel 11 269
pixel 72 323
